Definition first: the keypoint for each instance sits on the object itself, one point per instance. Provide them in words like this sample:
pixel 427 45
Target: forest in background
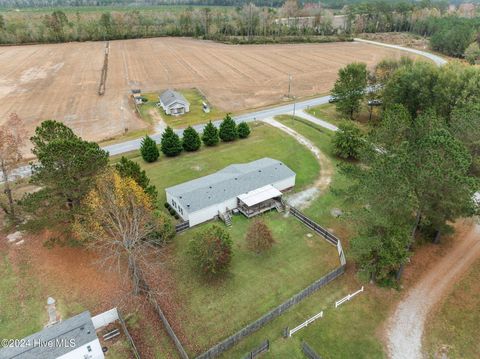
pixel 451 30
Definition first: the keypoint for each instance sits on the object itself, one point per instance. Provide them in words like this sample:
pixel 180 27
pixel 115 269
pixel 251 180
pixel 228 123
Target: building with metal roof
pixel 174 103
pixel 72 338
pixel 256 183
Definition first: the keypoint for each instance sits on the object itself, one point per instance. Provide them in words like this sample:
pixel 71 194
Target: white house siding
pixel 170 200
pixel 83 352
pixel 208 213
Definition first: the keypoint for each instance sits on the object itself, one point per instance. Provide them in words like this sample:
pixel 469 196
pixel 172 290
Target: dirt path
pixel 406 325
pixel 304 198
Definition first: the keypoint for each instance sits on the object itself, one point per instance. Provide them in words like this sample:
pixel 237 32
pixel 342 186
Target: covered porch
pixel 258 201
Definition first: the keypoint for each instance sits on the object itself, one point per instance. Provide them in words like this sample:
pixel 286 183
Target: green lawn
pixel 456 325
pixel 22 307
pixel 264 141
pixel 255 283
pixel 195 116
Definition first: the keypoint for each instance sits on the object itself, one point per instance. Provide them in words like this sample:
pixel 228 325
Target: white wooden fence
pixel 348 297
pixel 305 323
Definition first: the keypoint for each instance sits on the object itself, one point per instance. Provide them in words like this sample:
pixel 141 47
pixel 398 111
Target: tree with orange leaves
pixel 118 220
pixel 11 143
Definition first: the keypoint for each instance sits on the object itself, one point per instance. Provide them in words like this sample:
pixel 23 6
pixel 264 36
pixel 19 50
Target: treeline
pixel 450 34
pixel 79 3
pixel 210 23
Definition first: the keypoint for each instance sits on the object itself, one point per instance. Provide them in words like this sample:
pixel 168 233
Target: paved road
pixel 252 116
pixel 133 145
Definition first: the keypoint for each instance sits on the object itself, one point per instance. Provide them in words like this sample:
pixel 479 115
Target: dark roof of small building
pixel 79 329
pixel 170 96
pixel 228 183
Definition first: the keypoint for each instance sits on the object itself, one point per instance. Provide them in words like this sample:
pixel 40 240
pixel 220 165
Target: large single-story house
pixel 250 188
pixel 173 103
pixel 73 338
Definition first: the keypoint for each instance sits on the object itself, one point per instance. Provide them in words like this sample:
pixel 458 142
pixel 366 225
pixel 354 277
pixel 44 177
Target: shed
pixel 174 103
pixel 258 183
pixel 72 338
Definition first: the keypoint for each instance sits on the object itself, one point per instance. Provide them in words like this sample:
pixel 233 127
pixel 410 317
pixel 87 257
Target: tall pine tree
pixel 191 139
pixel 228 129
pixel 149 149
pixel 210 135
pixel 171 144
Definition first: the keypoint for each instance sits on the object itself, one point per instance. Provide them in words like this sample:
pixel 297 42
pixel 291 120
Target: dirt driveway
pixel 406 325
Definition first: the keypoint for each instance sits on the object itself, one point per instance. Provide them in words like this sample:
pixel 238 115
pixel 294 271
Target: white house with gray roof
pixel 73 338
pixel 251 188
pixel 174 103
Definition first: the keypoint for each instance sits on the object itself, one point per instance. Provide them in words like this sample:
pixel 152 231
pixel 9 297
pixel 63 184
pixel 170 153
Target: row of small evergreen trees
pixel 172 145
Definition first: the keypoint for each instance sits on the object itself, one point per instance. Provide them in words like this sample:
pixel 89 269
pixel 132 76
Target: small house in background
pixel 249 188
pixel 173 103
pixel 137 96
pixel 205 107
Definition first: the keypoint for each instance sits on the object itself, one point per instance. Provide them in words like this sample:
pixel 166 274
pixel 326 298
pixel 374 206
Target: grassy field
pixel 455 329
pixel 264 141
pixel 22 306
pixel 255 283
pixel 329 113
pixel 195 116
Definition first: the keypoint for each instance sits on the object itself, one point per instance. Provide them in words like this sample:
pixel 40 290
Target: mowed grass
pixel 264 141
pixel 329 113
pixel 22 307
pixel 195 116
pixel 255 283
pixel 455 327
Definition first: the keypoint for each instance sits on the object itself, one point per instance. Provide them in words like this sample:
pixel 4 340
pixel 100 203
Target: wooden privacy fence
pixel 314 226
pixel 329 237
pixel 129 337
pixel 264 347
pixel 180 227
pixel 309 352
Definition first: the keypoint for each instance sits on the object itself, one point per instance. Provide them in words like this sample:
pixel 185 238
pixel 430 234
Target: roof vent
pixel 210 187
pixel 180 197
pixel 259 170
pixel 236 178
pixel 188 205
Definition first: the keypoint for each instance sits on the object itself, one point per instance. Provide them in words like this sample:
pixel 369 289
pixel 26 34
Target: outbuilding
pixel 72 338
pixel 250 188
pixel 174 103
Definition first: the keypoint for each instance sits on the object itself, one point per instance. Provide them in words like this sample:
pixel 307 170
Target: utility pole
pixel 294 103
pixel 289 84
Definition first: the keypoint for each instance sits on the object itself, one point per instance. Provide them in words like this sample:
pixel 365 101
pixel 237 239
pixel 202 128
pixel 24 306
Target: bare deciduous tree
pixel 11 143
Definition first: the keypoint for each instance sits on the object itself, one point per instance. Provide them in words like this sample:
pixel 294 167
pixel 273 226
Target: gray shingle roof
pixel 171 96
pixel 228 183
pixel 78 328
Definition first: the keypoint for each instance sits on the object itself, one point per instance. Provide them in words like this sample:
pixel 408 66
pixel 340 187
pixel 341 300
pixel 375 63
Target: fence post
pixel 285 332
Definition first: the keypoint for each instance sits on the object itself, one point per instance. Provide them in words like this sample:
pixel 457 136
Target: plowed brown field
pixel 60 81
